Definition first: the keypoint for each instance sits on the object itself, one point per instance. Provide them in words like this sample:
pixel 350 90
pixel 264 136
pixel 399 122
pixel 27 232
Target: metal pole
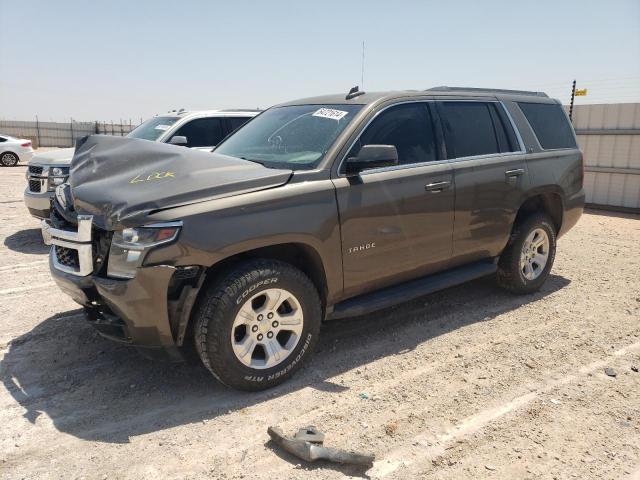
pixel 573 96
pixel 38 130
pixel 72 141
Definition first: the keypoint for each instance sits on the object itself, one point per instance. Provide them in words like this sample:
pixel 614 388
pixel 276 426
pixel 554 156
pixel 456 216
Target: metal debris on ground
pixel 307 444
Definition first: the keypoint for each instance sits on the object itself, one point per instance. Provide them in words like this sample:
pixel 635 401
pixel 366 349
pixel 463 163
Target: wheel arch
pixel 549 201
pixel 301 255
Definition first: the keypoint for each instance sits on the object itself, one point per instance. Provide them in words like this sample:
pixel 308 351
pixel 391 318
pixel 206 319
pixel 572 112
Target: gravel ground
pixel 467 383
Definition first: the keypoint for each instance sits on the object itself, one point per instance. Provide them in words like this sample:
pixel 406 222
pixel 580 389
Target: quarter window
pixel 409 127
pixel 202 132
pixel 550 125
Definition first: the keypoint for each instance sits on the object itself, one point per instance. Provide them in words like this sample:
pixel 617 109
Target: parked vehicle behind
pixel 319 209
pixel 201 130
pixel 14 150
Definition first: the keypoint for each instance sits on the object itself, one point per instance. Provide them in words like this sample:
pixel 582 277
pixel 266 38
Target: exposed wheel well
pixel 299 255
pixel 549 203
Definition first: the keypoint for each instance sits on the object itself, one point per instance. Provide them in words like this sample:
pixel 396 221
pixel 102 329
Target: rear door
pixel 234 123
pixel 396 222
pixel 489 173
pixel 202 133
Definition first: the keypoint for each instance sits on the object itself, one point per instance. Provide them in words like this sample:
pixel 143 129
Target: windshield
pixel 295 137
pixel 153 128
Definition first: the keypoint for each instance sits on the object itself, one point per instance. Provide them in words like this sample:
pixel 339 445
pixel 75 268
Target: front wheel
pixel 9 159
pixel 256 327
pixel 527 260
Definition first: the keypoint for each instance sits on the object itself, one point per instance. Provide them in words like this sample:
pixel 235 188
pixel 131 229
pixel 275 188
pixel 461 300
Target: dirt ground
pixel 467 383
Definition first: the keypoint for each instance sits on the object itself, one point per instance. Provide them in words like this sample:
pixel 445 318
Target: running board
pixel 387 297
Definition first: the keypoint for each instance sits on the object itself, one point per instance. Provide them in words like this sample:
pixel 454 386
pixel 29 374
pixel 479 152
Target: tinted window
pixel 550 125
pixel 237 122
pixel 2 139
pixel 153 128
pixel 469 129
pixel 202 132
pixel 408 127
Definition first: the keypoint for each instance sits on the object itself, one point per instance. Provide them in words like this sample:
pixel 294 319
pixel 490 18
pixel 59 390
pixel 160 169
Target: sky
pixel 117 59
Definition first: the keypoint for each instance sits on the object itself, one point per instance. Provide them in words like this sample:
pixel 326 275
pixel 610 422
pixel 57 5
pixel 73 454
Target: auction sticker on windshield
pixel 329 113
pixel 162 127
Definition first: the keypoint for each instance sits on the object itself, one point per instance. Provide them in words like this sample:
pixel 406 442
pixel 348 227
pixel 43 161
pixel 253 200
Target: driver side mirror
pixel 372 156
pixel 179 140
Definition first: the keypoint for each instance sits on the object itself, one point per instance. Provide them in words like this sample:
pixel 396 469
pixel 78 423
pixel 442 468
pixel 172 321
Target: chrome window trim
pixel 522 150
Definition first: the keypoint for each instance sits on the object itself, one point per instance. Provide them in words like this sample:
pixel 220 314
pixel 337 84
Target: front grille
pixel 67 257
pixel 34 185
pixel 35 170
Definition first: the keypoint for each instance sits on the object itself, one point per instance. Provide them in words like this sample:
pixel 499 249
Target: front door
pixel 397 222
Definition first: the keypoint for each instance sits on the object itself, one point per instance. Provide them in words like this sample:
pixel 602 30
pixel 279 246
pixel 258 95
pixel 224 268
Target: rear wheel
pixel 256 327
pixel 9 159
pixel 527 260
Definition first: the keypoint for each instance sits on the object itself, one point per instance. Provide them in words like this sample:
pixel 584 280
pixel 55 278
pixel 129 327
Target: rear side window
pixel 550 125
pixel 2 139
pixel 476 128
pixel 237 122
pixel 409 127
pixel 202 132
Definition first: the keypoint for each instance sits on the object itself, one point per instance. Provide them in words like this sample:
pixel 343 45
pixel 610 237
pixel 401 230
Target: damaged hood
pixel 61 156
pixel 120 180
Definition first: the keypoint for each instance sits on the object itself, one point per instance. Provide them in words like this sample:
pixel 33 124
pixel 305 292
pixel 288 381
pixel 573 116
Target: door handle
pixel 437 187
pixel 514 173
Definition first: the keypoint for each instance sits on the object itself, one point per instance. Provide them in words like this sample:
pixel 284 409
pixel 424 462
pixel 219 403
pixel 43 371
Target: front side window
pixel 202 132
pixel 295 136
pixel 550 125
pixel 153 128
pixel 409 127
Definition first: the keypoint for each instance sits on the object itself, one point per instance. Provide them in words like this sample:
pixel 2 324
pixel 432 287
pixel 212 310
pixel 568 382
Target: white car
pixel 201 130
pixel 14 150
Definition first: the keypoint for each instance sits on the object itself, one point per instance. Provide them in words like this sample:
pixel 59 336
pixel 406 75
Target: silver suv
pixel 201 130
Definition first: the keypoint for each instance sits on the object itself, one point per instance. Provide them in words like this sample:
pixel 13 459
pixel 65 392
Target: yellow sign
pixel 581 92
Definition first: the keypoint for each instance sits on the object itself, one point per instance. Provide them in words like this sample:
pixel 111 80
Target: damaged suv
pixel 318 209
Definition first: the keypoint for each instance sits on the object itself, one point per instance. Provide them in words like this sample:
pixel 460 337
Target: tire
pixel 513 274
pixel 231 324
pixel 9 159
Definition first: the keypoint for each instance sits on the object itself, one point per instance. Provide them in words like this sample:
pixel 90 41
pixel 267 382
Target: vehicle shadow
pixel 98 390
pixel 26 241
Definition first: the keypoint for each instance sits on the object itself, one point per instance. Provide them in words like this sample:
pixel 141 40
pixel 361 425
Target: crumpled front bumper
pixel 130 311
pixel 133 311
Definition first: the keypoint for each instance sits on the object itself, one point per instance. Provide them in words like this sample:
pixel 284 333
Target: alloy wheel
pixel 267 328
pixel 534 254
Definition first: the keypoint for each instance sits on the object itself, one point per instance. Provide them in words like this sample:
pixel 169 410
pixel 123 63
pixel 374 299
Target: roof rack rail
pixel 444 88
pixel 240 110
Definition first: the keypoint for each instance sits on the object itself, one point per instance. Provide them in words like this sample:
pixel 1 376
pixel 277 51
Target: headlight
pixel 129 246
pixel 58 177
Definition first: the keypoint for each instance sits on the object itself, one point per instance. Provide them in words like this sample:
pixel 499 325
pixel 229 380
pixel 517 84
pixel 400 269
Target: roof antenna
pixel 353 93
pixel 362 70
